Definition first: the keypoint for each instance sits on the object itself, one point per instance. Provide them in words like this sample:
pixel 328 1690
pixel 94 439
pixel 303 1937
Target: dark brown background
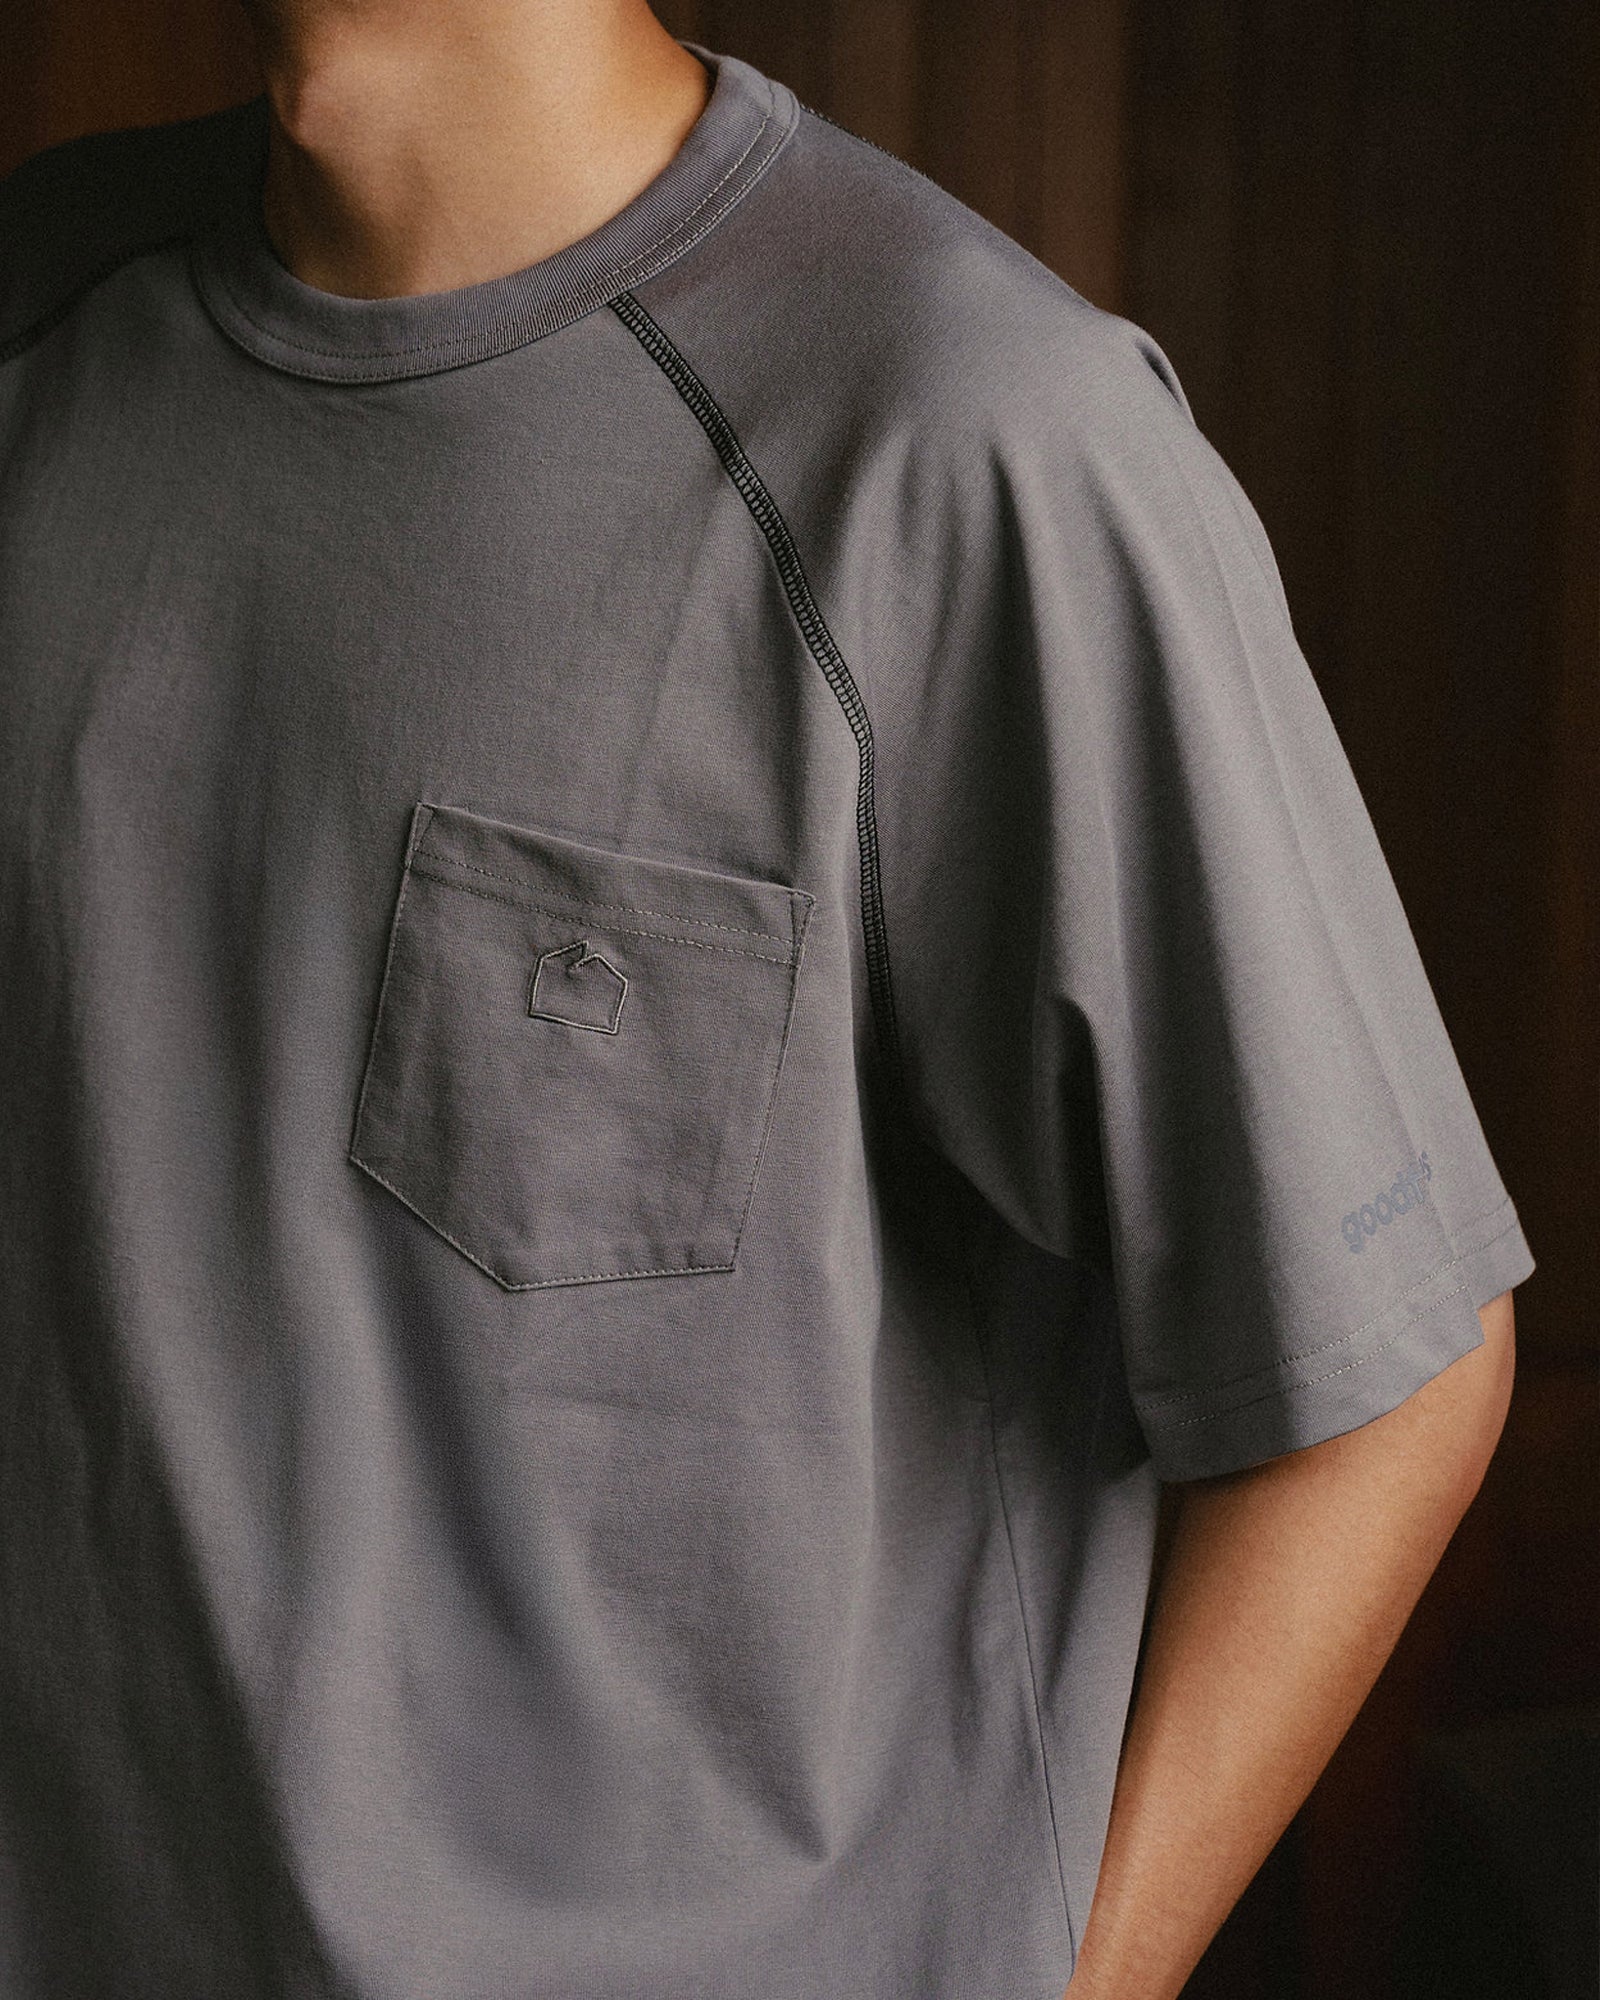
pixel 1365 232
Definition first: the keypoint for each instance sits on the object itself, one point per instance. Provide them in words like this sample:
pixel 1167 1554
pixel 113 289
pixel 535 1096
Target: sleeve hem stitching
pixel 1293 1388
pixel 1158 1421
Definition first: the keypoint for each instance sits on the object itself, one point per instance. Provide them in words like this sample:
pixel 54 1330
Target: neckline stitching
pixel 623 275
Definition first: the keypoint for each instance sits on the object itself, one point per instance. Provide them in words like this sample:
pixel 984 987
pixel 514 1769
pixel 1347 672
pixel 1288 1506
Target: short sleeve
pixel 1155 992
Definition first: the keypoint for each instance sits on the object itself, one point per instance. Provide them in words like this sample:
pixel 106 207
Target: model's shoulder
pixel 79 210
pixel 943 316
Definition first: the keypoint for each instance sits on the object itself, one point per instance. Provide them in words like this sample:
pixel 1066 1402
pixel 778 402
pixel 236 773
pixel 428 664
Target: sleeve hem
pixel 1434 1323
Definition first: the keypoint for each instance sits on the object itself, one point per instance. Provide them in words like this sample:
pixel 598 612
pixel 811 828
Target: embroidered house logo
pixel 578 987
pixel 1410 1190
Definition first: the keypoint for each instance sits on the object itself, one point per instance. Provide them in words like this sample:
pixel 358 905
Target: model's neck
pixel 422 145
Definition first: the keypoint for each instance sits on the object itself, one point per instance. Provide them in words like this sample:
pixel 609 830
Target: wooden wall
pixel 1366 235
pixel 71 66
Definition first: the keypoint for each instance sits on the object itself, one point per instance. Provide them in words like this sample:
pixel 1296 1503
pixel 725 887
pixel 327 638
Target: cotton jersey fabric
pixel 692 980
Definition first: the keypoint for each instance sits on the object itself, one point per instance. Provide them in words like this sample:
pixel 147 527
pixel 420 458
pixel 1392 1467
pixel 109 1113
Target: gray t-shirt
pixel 691 979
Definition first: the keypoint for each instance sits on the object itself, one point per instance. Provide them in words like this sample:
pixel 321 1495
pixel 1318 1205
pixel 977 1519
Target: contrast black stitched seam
pixel 813 629
pixel 32 334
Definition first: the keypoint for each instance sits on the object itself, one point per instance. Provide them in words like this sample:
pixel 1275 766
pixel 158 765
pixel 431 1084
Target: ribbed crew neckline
pixel 260 303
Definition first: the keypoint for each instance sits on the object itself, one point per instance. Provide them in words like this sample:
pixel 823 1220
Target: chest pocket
pixel 575 1057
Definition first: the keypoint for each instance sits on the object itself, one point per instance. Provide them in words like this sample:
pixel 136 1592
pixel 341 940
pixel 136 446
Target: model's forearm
pixel 1283 1593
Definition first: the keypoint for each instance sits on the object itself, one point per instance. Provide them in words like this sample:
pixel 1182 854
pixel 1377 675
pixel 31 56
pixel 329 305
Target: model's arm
pixel 1284 1590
